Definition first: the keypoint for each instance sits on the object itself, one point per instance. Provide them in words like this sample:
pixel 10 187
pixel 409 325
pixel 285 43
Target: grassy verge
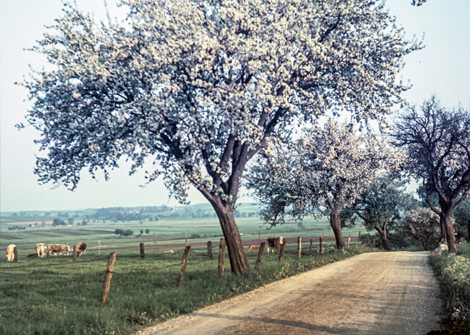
pixel 453 274
pixel 55 296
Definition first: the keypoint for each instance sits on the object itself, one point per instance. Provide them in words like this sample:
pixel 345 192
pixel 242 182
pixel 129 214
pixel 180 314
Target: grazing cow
pixel 10 254
pixel 253 247
pixel 272 242
pixel 41 249
pixel 81 248
pixel 62 249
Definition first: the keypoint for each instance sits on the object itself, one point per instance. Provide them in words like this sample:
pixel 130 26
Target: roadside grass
pixel 55 296
pixel 453 274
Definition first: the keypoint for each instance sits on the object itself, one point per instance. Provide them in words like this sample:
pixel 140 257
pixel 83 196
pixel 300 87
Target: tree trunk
pixel 237 256
pixel 451 244
pixel 383 235
pixel 336 226
pixel 442 221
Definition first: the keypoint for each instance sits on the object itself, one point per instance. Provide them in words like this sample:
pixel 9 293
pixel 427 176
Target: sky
pixel 442 68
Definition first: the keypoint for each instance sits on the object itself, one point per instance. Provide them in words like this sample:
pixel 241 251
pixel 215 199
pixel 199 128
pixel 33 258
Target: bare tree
pixel 438 145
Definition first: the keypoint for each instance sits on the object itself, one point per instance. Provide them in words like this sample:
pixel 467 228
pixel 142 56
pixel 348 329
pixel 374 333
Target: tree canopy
pixel 198 88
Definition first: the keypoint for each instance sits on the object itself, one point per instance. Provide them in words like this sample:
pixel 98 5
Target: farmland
pixel 171 228
pixel 56 295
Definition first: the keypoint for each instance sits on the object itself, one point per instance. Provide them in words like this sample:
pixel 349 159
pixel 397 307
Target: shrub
pixel 453 273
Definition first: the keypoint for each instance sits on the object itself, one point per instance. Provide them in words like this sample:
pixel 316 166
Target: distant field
pixel 163 233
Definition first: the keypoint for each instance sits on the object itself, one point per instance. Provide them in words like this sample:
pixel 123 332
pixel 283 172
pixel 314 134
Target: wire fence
pixel 123 272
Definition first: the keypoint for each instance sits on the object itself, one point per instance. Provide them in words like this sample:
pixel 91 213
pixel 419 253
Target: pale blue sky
pixel 442 68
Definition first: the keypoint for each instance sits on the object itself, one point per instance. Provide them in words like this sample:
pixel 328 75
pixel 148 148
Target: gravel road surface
pixel 373 293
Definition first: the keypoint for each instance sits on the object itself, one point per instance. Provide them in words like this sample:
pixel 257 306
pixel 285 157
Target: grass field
pixel 99 235
pixel 53 295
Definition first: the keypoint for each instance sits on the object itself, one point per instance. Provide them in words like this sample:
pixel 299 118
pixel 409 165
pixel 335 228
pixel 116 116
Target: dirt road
pixel 374 293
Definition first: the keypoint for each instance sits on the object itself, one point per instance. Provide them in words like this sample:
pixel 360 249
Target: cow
pixel 10 252
pixel 41 249
pixel 81 248
pixel 62 249
pixel 272 242
pixel 253 247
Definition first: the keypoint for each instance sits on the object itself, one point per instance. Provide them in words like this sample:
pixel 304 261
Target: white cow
pixel 10 254
pixel 41 249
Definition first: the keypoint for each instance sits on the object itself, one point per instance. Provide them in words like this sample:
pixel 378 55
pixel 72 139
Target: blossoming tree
pixel 324 171
pixel 422 225
pixel 380 206
pixel 438 144
pixel 199 87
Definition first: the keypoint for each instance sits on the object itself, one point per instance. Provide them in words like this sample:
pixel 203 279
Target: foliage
pixel 462 220
pixel 143 291
pixel 421 225
pixel 453 273
pixel 124 233
pixel 418 2
pixel 380 206
pixel 58 222
pixel 16 227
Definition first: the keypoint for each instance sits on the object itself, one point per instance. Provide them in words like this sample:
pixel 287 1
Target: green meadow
pixel 54 295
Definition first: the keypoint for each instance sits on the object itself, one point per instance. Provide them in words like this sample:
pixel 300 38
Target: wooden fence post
pixel 277 244
pixel 99 247
pixel 349 240
pixel 321 244
pixel 222 257
pixel 209 249
pixel 154 243
pixel 142 250
pixel 373 243
pixel 108 277
pixel 184 263
pixel 359 238
pixel 310 251
pixel 15 254
pixel 299 248
pixel 281 252
pixel 260 254
pixel 74 259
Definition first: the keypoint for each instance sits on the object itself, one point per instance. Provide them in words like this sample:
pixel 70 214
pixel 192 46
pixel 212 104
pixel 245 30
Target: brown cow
pixel 41 249
pixel 81 248
pixel 10 254
pixel 253 247
pixel 272 242
pixel 62 249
